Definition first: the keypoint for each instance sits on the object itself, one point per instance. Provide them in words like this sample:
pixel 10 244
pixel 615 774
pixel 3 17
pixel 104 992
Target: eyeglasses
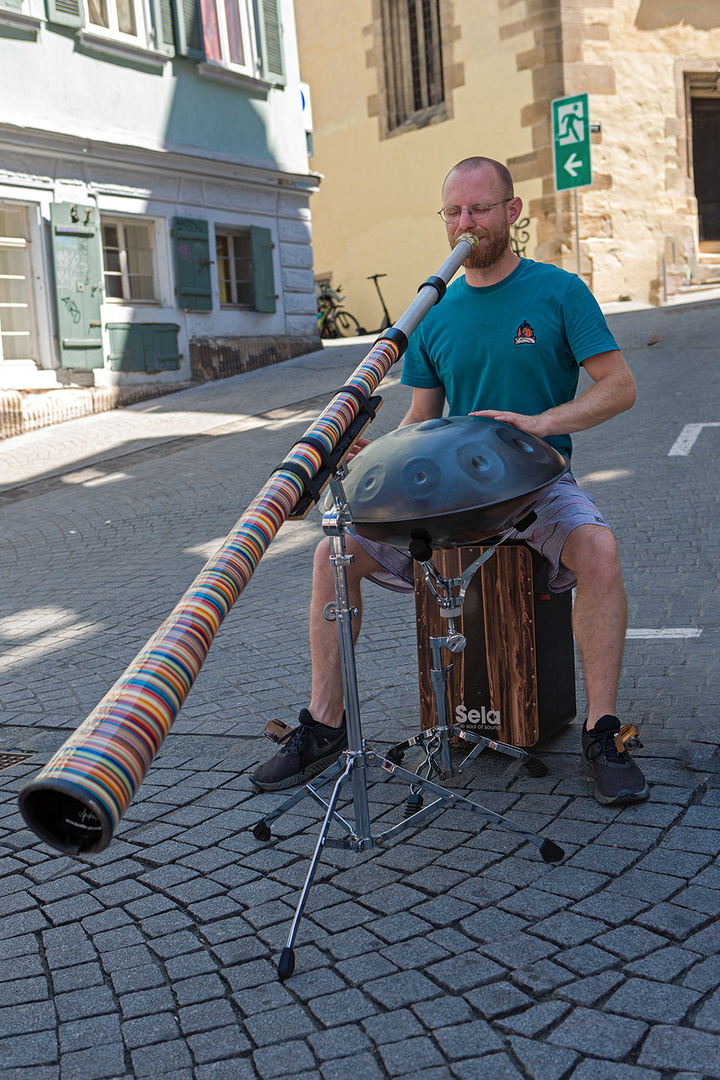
pixel 477 211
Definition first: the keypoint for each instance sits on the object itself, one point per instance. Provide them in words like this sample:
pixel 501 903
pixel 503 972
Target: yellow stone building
pixel 402 89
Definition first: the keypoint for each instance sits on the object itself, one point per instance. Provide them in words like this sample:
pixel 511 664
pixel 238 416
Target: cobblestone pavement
pixel 455 954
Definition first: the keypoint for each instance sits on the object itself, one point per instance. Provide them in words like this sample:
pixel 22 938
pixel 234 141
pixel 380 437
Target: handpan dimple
pixel 450 481
pixel 421 478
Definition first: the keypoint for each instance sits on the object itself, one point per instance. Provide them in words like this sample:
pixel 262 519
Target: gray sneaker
pixel 306 751
pixel 618 779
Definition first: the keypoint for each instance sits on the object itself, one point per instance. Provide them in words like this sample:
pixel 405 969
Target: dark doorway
pixel 706 169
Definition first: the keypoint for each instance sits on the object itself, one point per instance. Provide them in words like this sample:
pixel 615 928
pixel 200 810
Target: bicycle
pixel 332 319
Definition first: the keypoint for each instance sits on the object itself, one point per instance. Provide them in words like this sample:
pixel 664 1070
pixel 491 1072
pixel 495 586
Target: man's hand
pixel 356 447
pixel 533 424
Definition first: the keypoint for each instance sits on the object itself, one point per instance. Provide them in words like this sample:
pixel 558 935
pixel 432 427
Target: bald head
pixel 484 165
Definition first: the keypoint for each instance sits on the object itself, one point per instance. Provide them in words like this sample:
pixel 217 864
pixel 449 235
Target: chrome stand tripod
pixel 355 761
pixel 436 741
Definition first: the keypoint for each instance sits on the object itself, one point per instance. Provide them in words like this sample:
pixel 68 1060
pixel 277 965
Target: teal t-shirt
pixel 516 346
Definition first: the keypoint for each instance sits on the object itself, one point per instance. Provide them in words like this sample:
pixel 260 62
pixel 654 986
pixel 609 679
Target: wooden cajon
pixel 515 680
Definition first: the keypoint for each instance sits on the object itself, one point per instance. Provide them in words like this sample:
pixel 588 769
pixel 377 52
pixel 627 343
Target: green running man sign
pixel 571 142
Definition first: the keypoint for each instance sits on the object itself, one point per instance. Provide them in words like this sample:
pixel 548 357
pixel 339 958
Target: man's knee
pixel 591 551
pixel 361 566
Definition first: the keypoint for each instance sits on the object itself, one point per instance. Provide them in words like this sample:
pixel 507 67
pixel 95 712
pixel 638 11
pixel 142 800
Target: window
pixel 16 310
pixel 226 29
pixel 128 261
pixel 235 269
pixel 413 62
pixel 136 28
pixel 117 16
pixel 244 38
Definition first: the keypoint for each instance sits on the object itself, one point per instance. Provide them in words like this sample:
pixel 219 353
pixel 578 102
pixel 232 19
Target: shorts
pixel 563 508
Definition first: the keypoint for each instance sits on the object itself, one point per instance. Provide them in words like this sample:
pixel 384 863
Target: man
pixel 506 342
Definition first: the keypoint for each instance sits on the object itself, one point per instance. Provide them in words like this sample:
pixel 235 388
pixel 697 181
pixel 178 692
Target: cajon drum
pixel 515 680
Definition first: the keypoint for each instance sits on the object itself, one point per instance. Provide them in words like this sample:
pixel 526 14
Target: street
pixel 454 953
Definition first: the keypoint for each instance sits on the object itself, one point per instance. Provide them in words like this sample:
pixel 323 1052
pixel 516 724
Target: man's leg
pixel 599 614
pixel 599 624
pixel 321 735
pixel 326 696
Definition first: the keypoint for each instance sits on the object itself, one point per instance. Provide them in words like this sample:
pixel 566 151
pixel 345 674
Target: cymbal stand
pixel 436 741
pixel 354 762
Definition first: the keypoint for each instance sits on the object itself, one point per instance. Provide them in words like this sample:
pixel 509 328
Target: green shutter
pixel 269 30
pixel 261 246
pixel 77 258
pixel 126 347
pixel 188 29
pixel 160 346
pixel 192 263
pixel 144 347
pixel 164 26
pixel 66 13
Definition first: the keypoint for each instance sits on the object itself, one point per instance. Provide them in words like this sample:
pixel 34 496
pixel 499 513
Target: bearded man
pixel 507 342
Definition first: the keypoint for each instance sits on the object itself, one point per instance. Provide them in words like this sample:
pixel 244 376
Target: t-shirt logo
pixel 525 334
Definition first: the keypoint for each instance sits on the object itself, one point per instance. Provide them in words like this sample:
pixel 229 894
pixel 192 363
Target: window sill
pixel 19 21
pixel 117 301
pixel 213 70
pixel 434 114
pixel 114 47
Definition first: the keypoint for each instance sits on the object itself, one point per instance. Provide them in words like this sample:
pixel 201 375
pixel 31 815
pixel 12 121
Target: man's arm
pixel 612 392
pixel 425 405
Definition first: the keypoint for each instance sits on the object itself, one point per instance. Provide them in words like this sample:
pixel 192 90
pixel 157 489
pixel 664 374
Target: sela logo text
pixel 472 716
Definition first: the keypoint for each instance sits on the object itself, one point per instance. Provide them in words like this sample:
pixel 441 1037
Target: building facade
pixel 154 191
pixel 402 89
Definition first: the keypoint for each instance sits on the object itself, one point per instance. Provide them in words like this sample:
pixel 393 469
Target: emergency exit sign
pixel 571 142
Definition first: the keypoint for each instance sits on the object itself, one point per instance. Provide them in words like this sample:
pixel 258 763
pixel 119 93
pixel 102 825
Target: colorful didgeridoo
pixel 75 802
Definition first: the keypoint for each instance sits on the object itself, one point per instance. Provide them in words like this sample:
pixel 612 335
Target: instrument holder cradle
pixel 314 485
pixel 353 763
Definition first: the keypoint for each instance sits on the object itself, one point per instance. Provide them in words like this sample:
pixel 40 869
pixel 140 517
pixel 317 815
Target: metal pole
pixel 577 231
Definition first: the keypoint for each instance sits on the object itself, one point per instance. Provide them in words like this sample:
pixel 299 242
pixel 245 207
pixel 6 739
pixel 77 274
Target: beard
pixel 490 249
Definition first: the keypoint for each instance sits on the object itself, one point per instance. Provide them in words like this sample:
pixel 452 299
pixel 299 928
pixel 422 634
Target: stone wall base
pixel 218 358
pixel 25 410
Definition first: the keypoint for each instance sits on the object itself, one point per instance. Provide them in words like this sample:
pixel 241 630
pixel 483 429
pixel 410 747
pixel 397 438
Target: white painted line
pixel 666 633
pixel 686 439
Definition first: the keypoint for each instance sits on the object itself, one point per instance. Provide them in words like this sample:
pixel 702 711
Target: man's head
pixel 471 185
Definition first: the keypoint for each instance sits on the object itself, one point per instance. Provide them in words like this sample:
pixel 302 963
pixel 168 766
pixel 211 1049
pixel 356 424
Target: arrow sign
pixel 573 165
pixel 571 142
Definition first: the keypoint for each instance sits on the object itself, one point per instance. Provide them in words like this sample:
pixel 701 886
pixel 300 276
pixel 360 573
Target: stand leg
pixel 262 829
pixel 549 851
pixel 344 615
pixel 438 677
pixel 286 965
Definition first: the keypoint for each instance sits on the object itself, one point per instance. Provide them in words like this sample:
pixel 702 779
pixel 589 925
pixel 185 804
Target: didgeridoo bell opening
pixel 64 816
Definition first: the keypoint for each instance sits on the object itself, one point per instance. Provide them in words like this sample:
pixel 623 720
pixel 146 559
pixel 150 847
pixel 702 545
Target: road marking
pixel 687 437
pixel 602 475
pixel 667 632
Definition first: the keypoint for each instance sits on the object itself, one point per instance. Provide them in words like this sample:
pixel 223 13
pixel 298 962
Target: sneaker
pixel 617 778
pixel 307 750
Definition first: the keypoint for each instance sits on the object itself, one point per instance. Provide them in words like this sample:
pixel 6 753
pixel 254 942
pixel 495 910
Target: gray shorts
pixel 564 507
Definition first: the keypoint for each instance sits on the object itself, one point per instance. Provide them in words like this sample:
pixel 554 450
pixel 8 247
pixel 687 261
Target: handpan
pixel 449 481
